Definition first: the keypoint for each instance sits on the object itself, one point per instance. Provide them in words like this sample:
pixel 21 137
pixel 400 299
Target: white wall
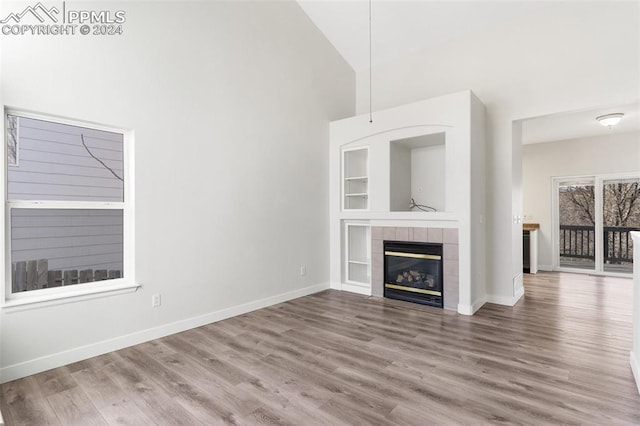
pixel 478 213
pixel 634 356
pixel 401 173
pixel 567 56
pixel 230 103
pixel 517 281
pixel 616 153
pixel 2 246
pixel 428 176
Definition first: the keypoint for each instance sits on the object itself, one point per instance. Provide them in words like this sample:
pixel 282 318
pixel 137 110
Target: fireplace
pixel 413 272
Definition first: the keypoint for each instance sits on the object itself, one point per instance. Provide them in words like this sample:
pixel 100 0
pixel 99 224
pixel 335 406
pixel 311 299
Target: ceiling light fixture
pixel 610 119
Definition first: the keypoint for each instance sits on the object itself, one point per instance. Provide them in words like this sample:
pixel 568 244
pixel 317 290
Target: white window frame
pixel 76 292
pixel 17 148
pixel 598 182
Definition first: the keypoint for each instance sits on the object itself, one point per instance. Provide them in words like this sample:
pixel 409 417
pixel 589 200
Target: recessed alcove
pixel 418 171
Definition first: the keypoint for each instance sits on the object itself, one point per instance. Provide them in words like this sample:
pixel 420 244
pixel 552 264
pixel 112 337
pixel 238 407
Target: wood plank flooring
pixel 561 355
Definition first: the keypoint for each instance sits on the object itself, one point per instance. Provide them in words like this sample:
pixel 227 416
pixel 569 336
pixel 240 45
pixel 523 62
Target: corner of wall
pixel 473 308
pixel 506 300
pixel 635 368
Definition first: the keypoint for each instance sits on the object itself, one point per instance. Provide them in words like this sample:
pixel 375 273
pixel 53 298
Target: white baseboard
pixel 473 308
pixel 33 366
pixel 356 289
pixel 506 300
pixel 546 268
pixel 635 368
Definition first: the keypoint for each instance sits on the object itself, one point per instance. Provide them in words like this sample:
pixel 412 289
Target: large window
pixel 68 206
pixel 594 218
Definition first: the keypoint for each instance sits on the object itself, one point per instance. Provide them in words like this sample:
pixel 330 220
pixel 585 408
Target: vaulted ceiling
pixel 401 27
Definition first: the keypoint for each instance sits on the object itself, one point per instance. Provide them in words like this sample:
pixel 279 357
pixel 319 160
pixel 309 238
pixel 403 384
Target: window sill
pixel 72 296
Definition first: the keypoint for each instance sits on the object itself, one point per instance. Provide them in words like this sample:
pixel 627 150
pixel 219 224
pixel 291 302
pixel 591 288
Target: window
pixel 68 206
pixel 594 216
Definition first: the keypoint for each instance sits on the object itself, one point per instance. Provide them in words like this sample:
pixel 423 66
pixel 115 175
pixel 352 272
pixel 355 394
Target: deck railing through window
pixel 578 242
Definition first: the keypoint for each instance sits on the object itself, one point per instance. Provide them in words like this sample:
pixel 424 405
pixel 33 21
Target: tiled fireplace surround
pixel 448 237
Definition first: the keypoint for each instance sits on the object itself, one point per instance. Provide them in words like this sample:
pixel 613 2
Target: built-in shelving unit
pixel 431 151
pixel 355 184
pixel 358 253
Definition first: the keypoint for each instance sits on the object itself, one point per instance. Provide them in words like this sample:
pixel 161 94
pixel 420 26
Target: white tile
pixel 376 232
pixel 434 235
pixel 450 236
pixel 389 233
pixel 451 293
pixel 402 234
pixel 420 235
pixel 451 268
pixel 450 251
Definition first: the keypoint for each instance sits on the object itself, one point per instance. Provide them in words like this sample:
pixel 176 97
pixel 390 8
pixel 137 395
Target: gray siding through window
pixel 61 162
pixel 69 239
pixel 54 164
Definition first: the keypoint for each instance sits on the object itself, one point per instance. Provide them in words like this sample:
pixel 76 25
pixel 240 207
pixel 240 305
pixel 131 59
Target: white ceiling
pixel 400 27
pixel 579 124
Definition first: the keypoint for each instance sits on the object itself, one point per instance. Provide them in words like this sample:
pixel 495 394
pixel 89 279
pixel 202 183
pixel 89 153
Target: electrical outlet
pixel 303 271
pixel 156 300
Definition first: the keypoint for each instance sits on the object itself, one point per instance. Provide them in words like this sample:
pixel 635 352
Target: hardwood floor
pixel 561 355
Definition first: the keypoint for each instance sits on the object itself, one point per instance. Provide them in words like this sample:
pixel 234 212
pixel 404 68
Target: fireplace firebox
pixel 413 272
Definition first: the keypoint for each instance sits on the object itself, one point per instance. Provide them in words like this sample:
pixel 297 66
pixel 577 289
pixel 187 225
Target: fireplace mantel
pixel 376 168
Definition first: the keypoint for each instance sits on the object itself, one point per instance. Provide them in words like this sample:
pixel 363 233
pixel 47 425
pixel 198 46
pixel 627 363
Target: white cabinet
pixel 357 254
pixel 355 178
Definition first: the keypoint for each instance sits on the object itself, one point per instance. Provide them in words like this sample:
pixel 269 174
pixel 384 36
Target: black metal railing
pixel 579 242
pixel 618 245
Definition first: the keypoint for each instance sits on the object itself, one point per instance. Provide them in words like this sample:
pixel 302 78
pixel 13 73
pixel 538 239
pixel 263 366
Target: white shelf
pixel 357 253
pixel 357 273
pixel 355 179
pixel 381 217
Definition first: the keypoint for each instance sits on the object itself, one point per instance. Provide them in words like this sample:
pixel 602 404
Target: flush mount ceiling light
pixel 610 119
